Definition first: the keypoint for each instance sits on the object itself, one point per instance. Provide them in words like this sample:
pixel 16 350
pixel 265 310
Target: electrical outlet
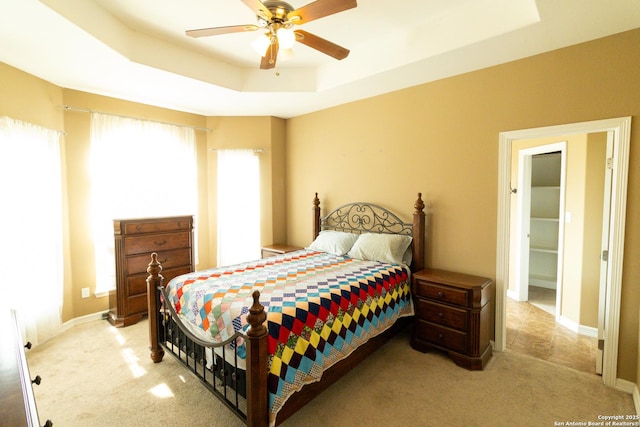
pixel 85 292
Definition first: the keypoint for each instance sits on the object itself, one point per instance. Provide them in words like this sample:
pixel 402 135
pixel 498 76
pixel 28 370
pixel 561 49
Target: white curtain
pixel 139 169
pixel 31 251
pixel 238 206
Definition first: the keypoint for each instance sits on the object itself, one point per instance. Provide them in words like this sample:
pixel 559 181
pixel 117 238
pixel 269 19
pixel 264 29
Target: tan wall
pixel 441 138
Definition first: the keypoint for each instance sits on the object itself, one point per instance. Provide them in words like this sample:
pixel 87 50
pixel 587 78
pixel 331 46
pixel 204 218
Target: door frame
pixel 621 128
pixel 525 168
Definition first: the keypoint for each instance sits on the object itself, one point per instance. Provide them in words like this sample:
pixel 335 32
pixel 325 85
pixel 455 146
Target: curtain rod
pixel 85 110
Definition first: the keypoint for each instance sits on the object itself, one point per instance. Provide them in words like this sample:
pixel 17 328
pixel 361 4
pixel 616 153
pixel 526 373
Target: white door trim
pixel 525 157
pixel 621 128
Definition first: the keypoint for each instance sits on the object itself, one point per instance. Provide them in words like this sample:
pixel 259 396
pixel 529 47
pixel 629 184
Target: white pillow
pixel 334 242
pixel 381 247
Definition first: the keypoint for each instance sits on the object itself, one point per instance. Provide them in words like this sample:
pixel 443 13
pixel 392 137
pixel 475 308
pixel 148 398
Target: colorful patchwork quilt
pixel 320 308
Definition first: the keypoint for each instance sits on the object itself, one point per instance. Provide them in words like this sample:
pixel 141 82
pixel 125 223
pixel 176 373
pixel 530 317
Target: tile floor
pixel 531 329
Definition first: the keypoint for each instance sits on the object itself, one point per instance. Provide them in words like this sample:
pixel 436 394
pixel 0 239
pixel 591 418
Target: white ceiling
pixel 137 50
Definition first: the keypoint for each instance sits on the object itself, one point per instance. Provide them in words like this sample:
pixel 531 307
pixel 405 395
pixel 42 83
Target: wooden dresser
pixel 16 393
pixel 454 313
pixel 135 239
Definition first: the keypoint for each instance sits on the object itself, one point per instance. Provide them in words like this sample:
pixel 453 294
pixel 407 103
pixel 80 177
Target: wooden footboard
pixel 257 410
pixel 257 413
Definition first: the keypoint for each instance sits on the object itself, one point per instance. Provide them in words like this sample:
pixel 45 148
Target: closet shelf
pixel 544 249
pixel 540 218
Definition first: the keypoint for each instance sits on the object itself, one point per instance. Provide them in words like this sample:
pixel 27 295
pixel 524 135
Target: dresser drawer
pixel 437 292
pixel 156 242
pixel 442 336
pixel 138 283
pixel 441 314
pixel 169 259
pixel 137 304
pixel 156 226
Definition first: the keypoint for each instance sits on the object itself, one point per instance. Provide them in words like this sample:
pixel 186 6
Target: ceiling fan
pixel 276 19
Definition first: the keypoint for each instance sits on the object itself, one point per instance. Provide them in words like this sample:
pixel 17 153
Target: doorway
pixel 539 231
pixel 554 303
pixel 620 130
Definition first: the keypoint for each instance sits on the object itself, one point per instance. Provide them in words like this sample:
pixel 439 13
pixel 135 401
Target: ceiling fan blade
pixel 215 31
pixel 320 9
pixel 269 59
pixel 258 8
pixel 322 45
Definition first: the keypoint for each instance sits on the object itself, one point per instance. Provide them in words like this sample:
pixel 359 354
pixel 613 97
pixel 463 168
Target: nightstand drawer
pixel 441 314
pixel 442 336
pixel 441 293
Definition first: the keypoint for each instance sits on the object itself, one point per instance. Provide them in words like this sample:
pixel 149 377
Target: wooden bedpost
pixel 257 374
pixel 418 235
pixel 316 217
pixel 154 280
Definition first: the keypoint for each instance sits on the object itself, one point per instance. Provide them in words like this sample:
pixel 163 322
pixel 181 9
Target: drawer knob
pixel 440 337
pixel 441 315
pixel 37 380
pixel 164 242
pixel 440 294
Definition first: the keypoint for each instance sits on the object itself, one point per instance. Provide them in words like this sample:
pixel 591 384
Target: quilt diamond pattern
pixel 320 308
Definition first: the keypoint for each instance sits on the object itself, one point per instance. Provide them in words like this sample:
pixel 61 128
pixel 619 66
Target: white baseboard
pixel 632 389
pixel 580 329
pixel 84 319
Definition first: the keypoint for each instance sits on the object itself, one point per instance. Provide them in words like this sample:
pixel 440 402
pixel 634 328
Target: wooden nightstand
pixel 277 249
pixel 454 313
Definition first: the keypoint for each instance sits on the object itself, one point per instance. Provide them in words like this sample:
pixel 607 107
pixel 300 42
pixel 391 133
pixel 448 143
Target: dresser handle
pixel 160 243
pixel 441 315
pixel 37 380
pixel 440 337
pixel 440 294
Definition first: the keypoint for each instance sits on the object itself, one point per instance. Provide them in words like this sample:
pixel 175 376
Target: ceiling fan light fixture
pixel 286 38
pixel 261 44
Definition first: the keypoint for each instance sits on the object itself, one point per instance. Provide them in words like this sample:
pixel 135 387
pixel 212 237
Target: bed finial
pixel 419 204
pixel 316 217
pixel 256 317
pixel 154 268
pixel 418 235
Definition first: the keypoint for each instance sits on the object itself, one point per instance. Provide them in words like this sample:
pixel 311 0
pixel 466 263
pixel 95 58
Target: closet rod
pixel 84 110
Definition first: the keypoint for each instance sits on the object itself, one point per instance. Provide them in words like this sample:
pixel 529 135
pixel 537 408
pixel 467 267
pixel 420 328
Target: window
pixel 238 212
pixel 139 168
pixel 31 252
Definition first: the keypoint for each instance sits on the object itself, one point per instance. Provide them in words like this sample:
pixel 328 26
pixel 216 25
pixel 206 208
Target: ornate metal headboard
pixel 370 218
pixel 365 218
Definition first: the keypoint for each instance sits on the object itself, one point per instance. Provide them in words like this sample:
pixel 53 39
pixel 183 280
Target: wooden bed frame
pixel 355 217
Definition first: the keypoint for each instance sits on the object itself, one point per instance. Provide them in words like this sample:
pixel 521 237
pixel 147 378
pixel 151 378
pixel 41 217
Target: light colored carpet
pixel 97 375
